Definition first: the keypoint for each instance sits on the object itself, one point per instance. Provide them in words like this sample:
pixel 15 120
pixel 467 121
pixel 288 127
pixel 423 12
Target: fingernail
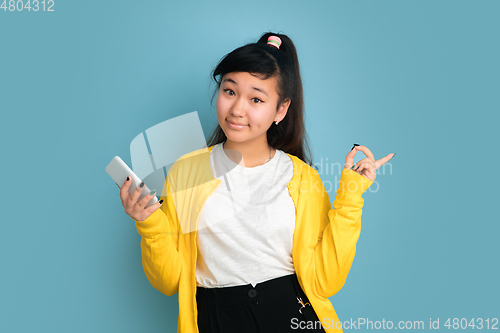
pixel 152 192
pixel 161 201
pixel 128 178
pixel 354 146
pixel 352 166
pixel 394 154
pixel 142 185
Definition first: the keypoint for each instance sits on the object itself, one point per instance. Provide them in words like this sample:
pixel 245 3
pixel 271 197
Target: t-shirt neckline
pixel 257 168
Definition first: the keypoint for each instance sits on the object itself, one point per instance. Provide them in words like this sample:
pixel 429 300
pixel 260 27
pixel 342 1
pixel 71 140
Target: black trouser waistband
pixel 270 289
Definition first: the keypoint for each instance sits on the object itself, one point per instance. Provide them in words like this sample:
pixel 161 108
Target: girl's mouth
pixel 234 126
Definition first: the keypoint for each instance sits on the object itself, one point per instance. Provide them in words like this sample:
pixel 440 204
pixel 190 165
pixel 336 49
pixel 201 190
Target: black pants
pixel 270 307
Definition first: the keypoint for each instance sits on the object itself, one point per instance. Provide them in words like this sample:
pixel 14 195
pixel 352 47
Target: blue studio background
pixel 418 78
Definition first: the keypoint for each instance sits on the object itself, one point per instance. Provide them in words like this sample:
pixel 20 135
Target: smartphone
pixel 119 170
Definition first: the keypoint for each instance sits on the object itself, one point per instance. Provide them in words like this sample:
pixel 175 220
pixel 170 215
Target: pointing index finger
pixel 384 160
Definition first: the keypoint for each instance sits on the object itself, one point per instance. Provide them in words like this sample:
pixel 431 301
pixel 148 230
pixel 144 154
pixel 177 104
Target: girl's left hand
pixel 366 167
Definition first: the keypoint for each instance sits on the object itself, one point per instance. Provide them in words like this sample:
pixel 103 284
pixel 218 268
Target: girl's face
pixel 246 106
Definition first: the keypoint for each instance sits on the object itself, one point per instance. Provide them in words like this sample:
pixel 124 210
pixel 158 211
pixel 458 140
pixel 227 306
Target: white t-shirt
pixel 245 228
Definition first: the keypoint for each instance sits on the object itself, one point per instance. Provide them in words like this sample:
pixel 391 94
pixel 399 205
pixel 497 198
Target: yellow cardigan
pixel 324 240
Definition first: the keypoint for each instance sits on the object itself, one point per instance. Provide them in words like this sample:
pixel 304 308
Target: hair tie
pixel 274 41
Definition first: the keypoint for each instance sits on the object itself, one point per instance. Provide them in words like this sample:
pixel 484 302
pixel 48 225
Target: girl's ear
pixel 282 111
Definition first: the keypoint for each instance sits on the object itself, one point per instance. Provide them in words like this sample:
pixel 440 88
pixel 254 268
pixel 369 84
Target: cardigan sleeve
pixel 336 246
pixel 161 259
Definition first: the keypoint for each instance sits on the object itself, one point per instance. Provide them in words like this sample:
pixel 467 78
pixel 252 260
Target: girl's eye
pixel 231 93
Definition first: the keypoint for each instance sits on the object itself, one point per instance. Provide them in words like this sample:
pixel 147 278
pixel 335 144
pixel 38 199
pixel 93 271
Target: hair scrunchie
pixel 274 41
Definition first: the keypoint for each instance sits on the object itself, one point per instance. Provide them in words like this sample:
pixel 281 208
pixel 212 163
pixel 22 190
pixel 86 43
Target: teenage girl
pixel 267 249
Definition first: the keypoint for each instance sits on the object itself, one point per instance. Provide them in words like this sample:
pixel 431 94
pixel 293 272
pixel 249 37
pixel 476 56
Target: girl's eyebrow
pixel 255 88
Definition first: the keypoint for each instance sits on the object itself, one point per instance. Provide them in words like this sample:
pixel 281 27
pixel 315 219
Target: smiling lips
pixel 236 125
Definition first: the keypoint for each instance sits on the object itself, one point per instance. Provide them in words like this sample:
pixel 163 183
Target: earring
pixel 276 122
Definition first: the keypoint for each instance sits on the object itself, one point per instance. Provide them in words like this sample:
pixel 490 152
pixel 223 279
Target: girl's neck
pixel 252 154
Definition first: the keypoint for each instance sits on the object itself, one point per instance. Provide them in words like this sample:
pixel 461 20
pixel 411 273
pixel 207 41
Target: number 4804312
pixel 35 5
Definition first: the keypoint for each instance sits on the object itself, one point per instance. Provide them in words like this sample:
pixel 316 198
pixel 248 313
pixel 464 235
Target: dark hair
pixel 267 61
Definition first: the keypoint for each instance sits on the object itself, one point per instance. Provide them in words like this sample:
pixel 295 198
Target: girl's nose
pixel 238 108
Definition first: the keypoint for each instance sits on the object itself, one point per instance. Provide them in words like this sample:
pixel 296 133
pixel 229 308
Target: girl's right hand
pixel 135 209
